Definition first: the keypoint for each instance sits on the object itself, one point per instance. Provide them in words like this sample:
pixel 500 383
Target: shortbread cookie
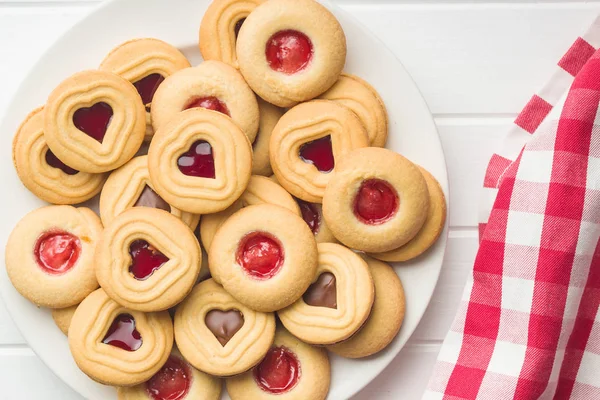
pixel 431 230
pixel 176 380
pixel 145 63
pixel 360 97
pixel 264 249
pixel 269 116
pixel 117 346
pixel 312 214
pixel 386 316
pixel 43 173
pixel 220 27
pixel 62 317
pixel 200 161
pixel 292 370
pixel 307 143
pixel 291 51
pixel 377 200
pixel 94 121
pixel 130 186
pixel 219 335
pixel 213 85
pixel 50 255
pixel 337 303
pixel 147 259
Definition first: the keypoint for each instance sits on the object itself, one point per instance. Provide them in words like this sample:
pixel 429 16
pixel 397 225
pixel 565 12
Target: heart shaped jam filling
pixel 310 215
pixel 147 86
pixel 260 254
pixel 145 259
pixel 376 202
pixel 56 252
pixel 224 324
pixel 322 293
pixel 122 333
pixel 278 372
pixel 94 120
pixel 53 161
pixel 171 382
pixel 238 26
pixel 210 103
pixel 319 153
pixel 149 198
pixel 289 51
pixel 198 160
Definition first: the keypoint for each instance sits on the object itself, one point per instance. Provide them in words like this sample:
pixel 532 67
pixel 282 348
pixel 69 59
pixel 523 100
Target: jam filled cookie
pixel 377 201
pixel 130 186
pixel 386 316
pixel 43 173
pixel 200 161
pixel 308 141
pixel 50 255
pixel 431 230
pixel 291 51
pixel 292 370
pixel 94 121
pixel 176 380
pixel 213 85
pixel 117 346
pixel 62 317
pixel 264 249
pixel 219 335
pixel 269 116
pixel 220 27
pixel 147 259
pixel 312 214
pixel 360 97
pixel 145 63
pixel 338 301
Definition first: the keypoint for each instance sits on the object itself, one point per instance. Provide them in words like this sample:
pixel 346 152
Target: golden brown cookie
pixel 62 317
pixel 269 116
pixel 291 51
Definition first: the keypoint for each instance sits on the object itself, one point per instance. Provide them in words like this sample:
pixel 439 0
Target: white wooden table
pixel 476 62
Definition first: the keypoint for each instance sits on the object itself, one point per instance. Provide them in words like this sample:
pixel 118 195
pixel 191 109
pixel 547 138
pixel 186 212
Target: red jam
pixel 171 382
pixel 289 51
pixel 147 86
pixel 198 160
pixel 210 103
pixel 310 215
pixel 56 252
pixel 376 202
pixel 93 120
pixel 145 259
pixel 238 26
pixel 122 334
pixel 278 372
pixel 260 254
pixel 319 153
pixel 53 161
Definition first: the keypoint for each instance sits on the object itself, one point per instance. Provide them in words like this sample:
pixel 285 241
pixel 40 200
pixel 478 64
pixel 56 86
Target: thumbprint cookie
pixel 62 317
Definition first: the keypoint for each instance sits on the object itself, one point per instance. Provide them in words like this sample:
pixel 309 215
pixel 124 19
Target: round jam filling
pixel 57 251
pixel 53 161
pixel 260 254
pixel 145 259
pixel 289 51
pixel 147 86
pixel 310 215
pixel 319 153
pixel 278 372
pixel 93 120
pixel 210 103
pixel 171 382
pixel 198 160
pixel 122 334
pixel 376 202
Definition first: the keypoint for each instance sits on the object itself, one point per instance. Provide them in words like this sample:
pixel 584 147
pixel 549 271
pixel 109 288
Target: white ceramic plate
pixel 412 133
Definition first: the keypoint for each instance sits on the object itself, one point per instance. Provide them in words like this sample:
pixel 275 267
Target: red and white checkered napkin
pixel 529 324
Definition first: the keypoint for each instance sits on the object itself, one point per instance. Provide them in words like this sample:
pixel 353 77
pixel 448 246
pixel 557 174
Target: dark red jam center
pixel 145 259
pixel 57 251
pixel 278 372
pixel 147 86
pixel 376 202
pixel 53 161
pixel 210 103
pixel 238 26
pixel 310 215
pixel 289 51
pixel 319 153
pixel 93 120
pixel 149 198
pixel 171 382
pixel 122 334
pixel 260 254
pixel 198 160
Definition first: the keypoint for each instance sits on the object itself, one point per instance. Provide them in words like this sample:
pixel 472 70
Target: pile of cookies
pixel 246 206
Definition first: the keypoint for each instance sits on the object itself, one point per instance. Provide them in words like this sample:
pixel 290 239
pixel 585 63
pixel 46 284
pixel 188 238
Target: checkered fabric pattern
pixel 528 326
